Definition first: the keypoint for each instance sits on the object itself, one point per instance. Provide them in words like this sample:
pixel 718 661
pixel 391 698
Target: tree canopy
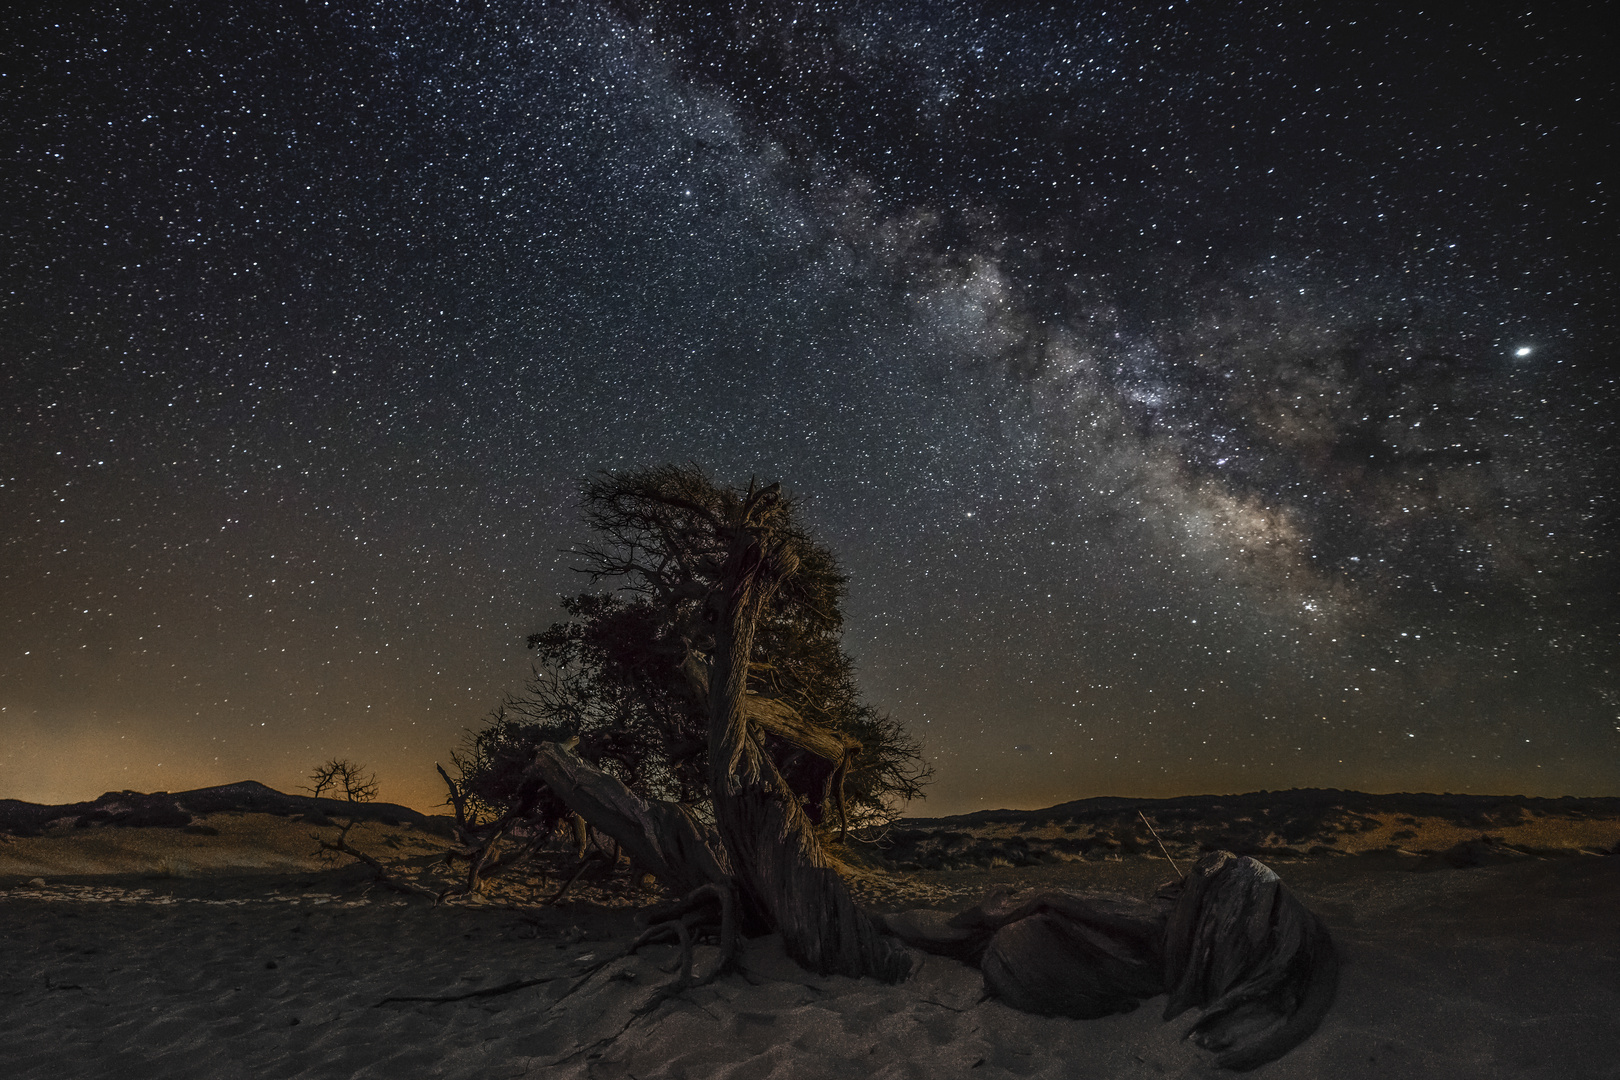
pixel 626 672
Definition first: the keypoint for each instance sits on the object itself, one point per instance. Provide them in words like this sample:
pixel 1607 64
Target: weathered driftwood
pixel 1085 957
pixel 1240 947
pixel 1053 953
pixel 1231 940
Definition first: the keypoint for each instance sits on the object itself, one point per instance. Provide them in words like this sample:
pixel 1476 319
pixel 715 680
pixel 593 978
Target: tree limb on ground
pixel 1232 942
pixel 383 875
pixel 493 991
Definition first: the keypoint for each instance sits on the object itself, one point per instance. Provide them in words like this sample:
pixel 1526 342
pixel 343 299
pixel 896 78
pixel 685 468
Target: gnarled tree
pixel 618 678
pixel 727 654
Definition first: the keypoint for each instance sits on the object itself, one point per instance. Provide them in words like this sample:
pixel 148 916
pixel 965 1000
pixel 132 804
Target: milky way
pixel 1203 397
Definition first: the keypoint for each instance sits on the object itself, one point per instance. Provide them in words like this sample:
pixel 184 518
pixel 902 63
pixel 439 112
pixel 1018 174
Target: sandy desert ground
pixel 229 950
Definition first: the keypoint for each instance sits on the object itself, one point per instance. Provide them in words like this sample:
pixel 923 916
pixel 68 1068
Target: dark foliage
pixel 623 673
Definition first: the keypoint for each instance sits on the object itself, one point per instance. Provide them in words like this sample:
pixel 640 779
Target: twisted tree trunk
pixel 773 848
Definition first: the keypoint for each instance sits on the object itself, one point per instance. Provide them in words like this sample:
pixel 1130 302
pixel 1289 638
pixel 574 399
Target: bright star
pixel 1522 350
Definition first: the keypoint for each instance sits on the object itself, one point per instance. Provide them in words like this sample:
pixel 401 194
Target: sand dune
pixel 230 843
pixel 250 958
pixel 1274 826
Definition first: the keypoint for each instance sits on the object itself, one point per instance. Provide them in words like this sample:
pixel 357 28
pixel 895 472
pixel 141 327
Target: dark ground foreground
pixel 1509 970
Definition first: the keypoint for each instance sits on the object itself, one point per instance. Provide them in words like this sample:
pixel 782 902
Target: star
pixel 1114 352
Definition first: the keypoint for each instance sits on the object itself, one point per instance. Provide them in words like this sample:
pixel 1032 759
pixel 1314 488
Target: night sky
pixel 1203 397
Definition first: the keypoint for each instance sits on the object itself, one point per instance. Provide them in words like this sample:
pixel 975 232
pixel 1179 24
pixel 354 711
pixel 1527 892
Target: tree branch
pixel 383 876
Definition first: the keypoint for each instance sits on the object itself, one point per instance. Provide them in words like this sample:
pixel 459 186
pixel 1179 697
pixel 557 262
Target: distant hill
pixel 1475 811
pixel 174 810
pixel 1266 824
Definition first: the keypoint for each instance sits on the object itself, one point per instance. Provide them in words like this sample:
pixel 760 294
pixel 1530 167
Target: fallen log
pixel 1078 956
pixel 1231 941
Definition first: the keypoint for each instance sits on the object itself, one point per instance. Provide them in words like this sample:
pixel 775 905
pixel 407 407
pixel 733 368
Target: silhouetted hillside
pixel 178 810
pixel 1271 824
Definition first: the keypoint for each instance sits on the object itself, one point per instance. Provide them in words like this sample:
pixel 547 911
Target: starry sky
pixel 1203 397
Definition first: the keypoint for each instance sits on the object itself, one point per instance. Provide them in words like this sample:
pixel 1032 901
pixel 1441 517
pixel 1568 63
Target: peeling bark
pixel 784 722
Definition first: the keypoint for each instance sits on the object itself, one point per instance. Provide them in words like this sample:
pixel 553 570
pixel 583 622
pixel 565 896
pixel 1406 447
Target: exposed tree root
pixel 677 916
pixel 605 1041
pixel 493 991
pixel 680 919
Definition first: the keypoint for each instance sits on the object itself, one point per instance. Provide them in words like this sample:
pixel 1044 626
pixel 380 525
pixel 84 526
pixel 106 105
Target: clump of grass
pixel 171 867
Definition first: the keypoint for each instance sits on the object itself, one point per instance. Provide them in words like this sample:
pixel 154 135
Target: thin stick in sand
pixel 1156 840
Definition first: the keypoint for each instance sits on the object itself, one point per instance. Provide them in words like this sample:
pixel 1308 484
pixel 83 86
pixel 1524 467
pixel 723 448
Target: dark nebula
pixel 1203 397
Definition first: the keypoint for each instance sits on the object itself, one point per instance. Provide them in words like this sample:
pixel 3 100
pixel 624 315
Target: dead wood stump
pixel 1231 941
pixel 1240 947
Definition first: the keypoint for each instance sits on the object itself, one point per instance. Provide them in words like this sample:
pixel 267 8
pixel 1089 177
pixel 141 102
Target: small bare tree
pixel 342 778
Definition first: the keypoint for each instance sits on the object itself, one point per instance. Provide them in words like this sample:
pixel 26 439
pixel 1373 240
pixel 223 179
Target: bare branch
pixel 344 779
pixel 384 877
